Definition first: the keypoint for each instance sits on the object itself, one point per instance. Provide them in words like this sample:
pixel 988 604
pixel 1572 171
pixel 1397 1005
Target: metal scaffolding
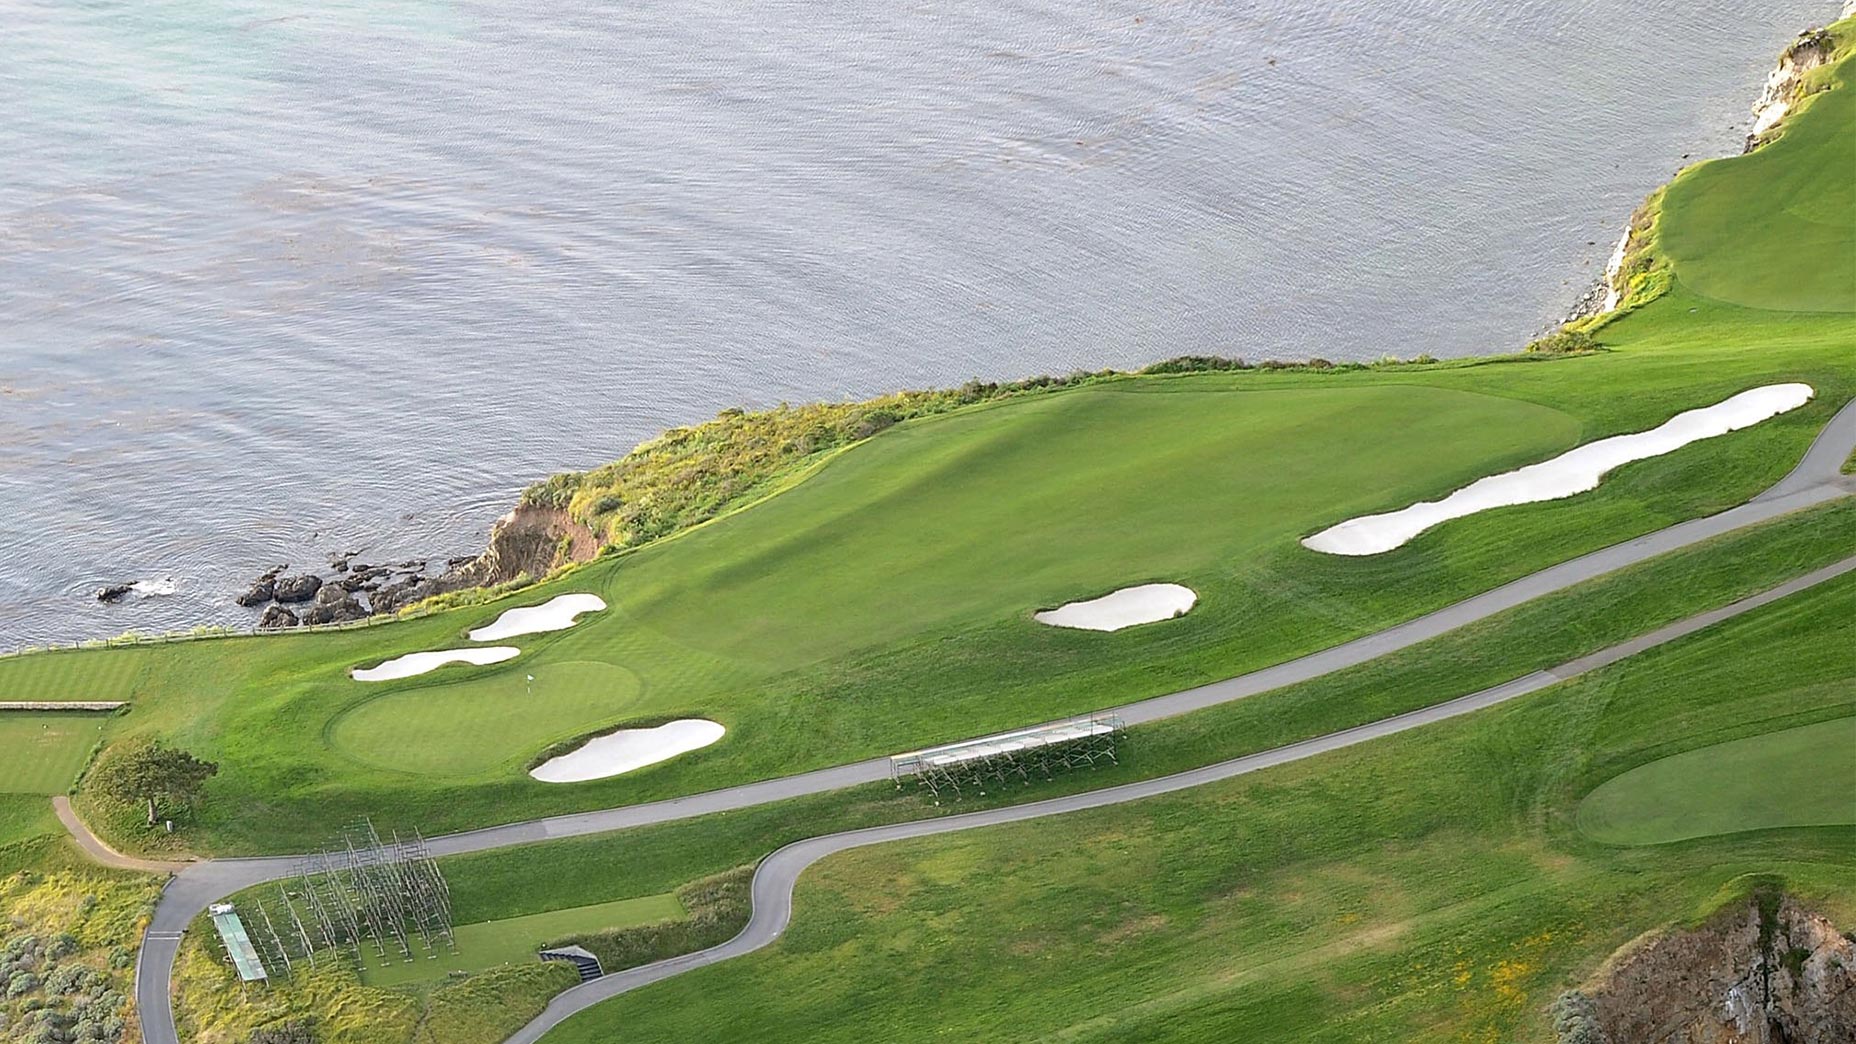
pixel 361 892
pixel 1043 751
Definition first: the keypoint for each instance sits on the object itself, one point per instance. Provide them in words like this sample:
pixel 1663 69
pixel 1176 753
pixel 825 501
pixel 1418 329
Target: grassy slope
pixel 515 881
pixel 1804 776
pixel 1430 887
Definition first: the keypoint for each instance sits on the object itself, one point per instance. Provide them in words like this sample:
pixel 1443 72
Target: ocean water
pixel 276 281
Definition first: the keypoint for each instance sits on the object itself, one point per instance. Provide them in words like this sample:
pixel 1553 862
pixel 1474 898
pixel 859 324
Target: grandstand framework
pixel 384 899
pixel 1042 751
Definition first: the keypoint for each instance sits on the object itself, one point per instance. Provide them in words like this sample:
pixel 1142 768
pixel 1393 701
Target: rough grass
pixel 1427 887
pixel 211 1008
pixel 1804 776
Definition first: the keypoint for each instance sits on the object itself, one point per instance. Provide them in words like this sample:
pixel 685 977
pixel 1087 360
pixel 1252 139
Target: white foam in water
pixel 555 614
pixel 1145 603
pixel 629 749
pixel 1575 471
pixel 420 662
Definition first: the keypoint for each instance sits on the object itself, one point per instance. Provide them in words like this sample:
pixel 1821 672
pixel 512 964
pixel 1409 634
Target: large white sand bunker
pixel 420 662
pixel 628 749
pixel 556 614
pixel 1145 603
pixel 1575 471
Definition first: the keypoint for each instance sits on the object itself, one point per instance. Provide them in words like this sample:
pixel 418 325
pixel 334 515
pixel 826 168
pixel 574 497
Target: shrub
pixel 1564 342
pixel 299 1031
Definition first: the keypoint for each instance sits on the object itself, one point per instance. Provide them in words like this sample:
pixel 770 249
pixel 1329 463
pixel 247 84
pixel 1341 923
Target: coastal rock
pixel 110 593
pixel 1760 972
pixel 340 609
pixel 276 617
pixel 297 588
pixel 1813 48
pixel 261 591
pixel 330 594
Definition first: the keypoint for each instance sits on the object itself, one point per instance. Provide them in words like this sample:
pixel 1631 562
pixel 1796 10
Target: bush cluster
pixel 54 1003
pixel 1564 342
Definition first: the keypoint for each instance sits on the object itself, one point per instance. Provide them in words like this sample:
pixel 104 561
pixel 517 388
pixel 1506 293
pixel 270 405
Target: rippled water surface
pixel 276 281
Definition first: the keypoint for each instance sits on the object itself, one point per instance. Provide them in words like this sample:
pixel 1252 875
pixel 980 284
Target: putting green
pixel 487 722
pixel 42 753
pixel 487 944
pixel 1798 777
pixel 1776 229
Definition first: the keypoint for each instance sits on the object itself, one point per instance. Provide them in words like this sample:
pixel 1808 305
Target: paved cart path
pixel 1816 480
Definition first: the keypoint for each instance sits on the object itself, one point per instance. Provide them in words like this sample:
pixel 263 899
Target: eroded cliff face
pixel 527 541
pixel 1812 49
pixel 1765 971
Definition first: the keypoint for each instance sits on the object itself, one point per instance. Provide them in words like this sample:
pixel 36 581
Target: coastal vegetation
pixel 67 939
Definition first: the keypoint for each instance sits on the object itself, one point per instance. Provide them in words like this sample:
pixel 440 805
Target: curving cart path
pixel 1816 480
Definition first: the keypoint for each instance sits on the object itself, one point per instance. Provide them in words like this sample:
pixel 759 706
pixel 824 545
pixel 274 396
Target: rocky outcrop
pixel 1764 971
pixel 114 592
pixel 276 618
pixel 1812 49
pixel 529 541
pixel 300 588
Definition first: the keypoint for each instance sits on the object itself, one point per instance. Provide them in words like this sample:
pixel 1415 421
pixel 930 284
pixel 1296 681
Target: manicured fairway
pixel 1776 229
pixel 460 728
pixel 487 944
pixel 42 753
pixel 1796 777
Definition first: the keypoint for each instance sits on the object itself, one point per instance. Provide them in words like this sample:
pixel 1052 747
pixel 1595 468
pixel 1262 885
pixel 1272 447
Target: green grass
pixel 525 879
pixel 515 940
pixel 23 817
pixel 486 722
pixel 917 558
pixel 1804 776
pixel 42 753
pixel 1433 886
pixel 1776 229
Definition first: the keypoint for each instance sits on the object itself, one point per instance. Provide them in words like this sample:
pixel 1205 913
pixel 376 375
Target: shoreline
pixel 532 542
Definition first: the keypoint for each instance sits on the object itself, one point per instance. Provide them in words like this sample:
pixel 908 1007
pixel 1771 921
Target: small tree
pixel 146 770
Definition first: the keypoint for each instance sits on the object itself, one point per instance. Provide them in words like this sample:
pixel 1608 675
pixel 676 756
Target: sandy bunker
pixel 555 614
pixel 628 749
pixel 1145 603
pixel 1575 471
pixel 420 662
